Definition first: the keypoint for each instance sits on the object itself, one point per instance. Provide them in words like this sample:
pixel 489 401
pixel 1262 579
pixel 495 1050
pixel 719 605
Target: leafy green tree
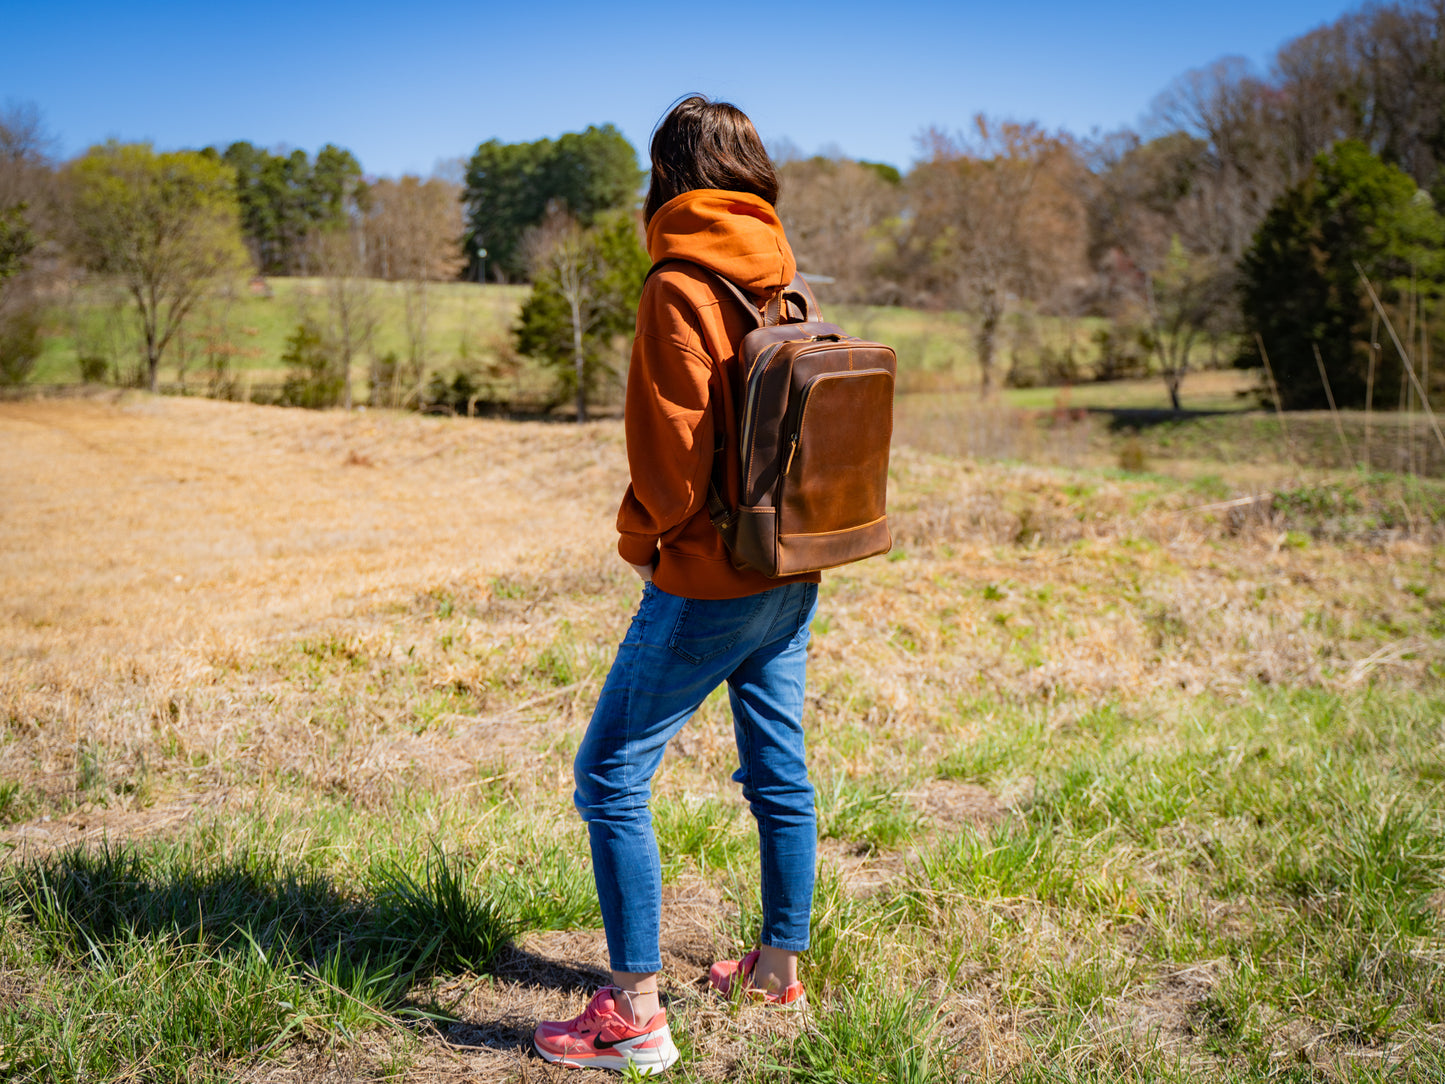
pixel 509 187
pixel 16 240
pixel 285 199
pixel 335 178
pixel 20 344
pixel 586 285
pixel 26 194
pixel 165 225
pixel 1300 286
pixel 19 323
pixel 1186 298
pixel 313 377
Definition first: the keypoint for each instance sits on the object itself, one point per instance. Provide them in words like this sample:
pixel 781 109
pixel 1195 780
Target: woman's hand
pixel 644 572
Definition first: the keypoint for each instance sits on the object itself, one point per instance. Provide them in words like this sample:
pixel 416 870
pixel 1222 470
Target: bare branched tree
pixel 413 231
pixel 996 217
pixel 339 256
pixel 1184 298
pixel 1245 165
pixel 837 212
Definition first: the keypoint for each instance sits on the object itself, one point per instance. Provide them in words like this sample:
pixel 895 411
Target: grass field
pixel 470 325
pixel 1121 776
pixel 466 322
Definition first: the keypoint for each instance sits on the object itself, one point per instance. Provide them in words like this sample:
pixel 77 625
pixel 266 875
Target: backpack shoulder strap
pixel 793 303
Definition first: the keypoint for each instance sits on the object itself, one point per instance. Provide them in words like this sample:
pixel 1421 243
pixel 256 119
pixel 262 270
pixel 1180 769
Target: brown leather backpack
pixel 816 409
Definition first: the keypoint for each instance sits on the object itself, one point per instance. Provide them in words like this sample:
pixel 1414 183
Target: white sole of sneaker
pixel 645 1052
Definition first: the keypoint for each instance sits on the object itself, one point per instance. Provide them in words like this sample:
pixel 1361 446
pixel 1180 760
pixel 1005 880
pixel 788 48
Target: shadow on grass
pixel 499 1029
pixel 408 923
pixel 368 950
pixel 519 965
pixel 1137 419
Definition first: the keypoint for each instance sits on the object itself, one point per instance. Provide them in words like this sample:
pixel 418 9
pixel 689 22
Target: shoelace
pixel 593 1016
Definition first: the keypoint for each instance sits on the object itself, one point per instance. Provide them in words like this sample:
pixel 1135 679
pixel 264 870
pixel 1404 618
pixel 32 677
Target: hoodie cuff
pixel 637 549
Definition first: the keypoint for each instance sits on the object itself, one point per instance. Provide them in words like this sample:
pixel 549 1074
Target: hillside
pixel 1121 776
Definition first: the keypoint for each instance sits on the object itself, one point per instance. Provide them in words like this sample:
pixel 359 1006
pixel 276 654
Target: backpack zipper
pixel 755 379
pixel 803 407
pixel 798 425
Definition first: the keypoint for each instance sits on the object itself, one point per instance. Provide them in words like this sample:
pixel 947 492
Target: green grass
pixel 705 836
pixel 15 803
pixel 871 815
pixel 1210 391
pixel 870 1035
pixel 425 919
pixel 938 350
pixel 168 1009
pixel 466 321
pixel 1290 842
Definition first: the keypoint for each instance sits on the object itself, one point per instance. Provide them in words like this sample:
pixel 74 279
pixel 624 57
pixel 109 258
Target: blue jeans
pixel 676 652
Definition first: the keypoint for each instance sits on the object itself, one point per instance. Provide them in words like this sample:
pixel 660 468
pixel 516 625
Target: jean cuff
pixel 636 969
pixel 786 945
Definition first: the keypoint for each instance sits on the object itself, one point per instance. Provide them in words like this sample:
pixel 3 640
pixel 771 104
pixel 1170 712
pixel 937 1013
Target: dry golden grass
pixel 147 542
pixel 219 612
pixel 156 523
pixel 162 557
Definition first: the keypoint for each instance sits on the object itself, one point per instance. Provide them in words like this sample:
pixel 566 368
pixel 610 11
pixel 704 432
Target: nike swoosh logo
pixel 605 1044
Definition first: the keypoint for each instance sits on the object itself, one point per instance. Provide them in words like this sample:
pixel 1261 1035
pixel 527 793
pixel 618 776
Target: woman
pixel 701 621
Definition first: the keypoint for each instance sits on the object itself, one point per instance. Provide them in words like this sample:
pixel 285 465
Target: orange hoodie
pixel 680 387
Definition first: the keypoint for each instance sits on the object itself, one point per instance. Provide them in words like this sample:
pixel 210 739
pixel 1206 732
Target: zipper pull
pixel 792 451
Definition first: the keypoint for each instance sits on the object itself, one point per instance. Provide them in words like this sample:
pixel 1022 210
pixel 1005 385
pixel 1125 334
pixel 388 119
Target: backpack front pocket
pixel 835 465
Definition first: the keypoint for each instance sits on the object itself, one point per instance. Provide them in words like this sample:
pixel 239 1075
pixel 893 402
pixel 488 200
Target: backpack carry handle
pixel 800 295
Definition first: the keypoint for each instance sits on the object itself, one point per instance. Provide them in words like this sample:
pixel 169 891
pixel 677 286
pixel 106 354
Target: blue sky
pixel 405 85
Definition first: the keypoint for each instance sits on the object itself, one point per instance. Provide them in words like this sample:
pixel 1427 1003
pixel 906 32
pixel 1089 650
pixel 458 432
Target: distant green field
pixel 937 350
pixel 469 325
pixel 1213 389
pixel 469 328
pixel 463 318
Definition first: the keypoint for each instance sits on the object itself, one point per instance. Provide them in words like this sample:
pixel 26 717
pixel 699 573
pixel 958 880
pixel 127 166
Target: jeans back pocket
pixel 706 627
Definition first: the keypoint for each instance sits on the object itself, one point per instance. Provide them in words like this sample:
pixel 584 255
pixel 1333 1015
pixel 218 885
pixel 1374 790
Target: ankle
pixel 637 1007
pixel 775 970
pixel 636 1000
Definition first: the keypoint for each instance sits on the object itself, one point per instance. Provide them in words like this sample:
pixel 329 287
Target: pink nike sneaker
pixel 723 973
pixel 601 1039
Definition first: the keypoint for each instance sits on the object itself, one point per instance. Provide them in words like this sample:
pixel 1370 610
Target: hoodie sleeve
pixel 669 423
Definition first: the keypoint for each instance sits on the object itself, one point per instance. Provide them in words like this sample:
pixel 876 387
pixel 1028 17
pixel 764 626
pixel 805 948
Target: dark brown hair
pixel 707 144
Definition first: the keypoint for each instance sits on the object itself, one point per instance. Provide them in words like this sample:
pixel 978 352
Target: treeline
pixel 171 235
pixel 1240 209
pixel 1288 216
pixel 290 205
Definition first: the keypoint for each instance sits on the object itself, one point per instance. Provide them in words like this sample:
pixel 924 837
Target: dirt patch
pixel 947 804
pixel 1168 1011
pixel 97 823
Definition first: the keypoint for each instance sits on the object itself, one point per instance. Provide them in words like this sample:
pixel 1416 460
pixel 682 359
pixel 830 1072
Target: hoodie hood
pixel 736 234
